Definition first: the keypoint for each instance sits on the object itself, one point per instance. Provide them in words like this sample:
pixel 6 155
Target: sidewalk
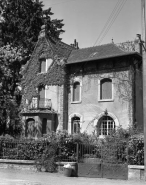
pixel 15 177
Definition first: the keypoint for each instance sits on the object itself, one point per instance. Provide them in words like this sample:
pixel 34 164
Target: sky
pixel 97 22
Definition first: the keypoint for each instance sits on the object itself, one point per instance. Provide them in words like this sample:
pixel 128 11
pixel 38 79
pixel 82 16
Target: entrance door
pixel 44 126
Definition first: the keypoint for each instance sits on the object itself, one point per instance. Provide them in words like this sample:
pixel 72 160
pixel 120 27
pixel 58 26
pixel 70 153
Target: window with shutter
pixel 43 66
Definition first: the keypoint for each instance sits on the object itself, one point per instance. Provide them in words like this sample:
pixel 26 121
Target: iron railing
pixel 73 152
pixel 40 103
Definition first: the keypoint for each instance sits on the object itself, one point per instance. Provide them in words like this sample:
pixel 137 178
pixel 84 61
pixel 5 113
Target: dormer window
pixel 45 64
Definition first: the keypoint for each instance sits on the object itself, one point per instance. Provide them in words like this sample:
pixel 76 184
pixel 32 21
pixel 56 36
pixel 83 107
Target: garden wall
pixel 135 172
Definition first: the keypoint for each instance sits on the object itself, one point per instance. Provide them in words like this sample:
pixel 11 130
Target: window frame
pixel 77 125
pixel 80 91
pixel 99 90
pixel 47 64
pixel 106 129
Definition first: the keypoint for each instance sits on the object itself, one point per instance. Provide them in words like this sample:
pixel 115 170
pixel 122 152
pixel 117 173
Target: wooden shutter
pixel 76 91
pixel 106 89
pixel 43 66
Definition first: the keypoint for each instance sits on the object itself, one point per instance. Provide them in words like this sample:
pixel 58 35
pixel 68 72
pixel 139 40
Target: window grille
pixel 107 125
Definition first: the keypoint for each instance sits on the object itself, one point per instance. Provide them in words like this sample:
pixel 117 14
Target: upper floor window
pixel 76 92
pixel 106 89
pixel 45 64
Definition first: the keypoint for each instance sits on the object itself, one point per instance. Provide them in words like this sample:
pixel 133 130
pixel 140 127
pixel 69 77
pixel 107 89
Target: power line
pixel 62 2
pixel 115 17
pixel 111 20
pixel 112 13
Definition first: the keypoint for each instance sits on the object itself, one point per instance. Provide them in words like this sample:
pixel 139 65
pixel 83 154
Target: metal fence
pixel 74 152
pixel 24 150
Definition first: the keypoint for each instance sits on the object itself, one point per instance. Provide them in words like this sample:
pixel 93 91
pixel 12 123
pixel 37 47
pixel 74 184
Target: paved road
pixel 15 177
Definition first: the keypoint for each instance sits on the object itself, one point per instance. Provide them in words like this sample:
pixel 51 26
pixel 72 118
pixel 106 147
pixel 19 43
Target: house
pixel 92 89
pixel 43 84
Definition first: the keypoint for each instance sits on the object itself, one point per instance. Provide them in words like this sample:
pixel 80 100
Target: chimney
pixel 42 32
pixel 75 45
pixel 138 44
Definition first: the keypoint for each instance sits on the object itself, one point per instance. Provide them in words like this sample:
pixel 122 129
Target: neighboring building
pixel 91 89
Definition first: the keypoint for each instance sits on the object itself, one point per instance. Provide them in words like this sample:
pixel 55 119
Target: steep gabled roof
pixel 97 53
pixel 60 48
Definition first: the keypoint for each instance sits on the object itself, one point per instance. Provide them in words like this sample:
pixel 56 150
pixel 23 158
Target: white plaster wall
pixel 90 106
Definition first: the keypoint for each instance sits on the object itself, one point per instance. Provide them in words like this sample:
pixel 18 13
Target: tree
pixel 11 60
pixel 21 22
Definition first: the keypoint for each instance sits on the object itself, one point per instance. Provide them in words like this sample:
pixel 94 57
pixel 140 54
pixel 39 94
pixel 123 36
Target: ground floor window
pixel 75 125
pixel 30 128
pixel 106 125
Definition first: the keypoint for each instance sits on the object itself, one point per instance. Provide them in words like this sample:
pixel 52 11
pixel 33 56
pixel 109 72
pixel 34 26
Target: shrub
pixel 123 142
pixel 136 151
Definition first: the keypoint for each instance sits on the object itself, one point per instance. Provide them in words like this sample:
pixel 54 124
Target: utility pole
pixel 143 16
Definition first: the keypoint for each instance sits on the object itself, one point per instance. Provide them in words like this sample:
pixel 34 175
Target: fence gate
pixel 105 161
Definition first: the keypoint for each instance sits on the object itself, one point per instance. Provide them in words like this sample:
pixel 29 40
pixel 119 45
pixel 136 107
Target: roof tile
pixel 96 53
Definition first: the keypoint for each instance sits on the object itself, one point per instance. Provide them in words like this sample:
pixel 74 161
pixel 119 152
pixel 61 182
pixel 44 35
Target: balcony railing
pixel 42 103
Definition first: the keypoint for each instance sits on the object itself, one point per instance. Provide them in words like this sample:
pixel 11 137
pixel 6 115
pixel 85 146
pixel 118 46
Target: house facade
pixel 105 91
pixel 94 89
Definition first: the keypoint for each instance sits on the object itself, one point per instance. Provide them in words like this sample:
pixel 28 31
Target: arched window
pixel 75 125
pixel 106 89
pixel 106 125
pixel 76 92
pixel 30 128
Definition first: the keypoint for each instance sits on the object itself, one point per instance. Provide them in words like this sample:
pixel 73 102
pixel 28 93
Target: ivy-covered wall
pixel 54 78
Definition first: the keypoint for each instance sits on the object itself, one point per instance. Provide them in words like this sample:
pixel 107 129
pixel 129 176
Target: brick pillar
pixel 63 108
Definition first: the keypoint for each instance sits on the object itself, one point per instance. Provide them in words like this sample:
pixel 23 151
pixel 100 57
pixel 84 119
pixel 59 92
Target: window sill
pixel 42 73
pixel 75 102
pixel 106 100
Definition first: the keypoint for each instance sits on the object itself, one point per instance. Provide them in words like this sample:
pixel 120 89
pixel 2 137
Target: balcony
pixel 42 103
